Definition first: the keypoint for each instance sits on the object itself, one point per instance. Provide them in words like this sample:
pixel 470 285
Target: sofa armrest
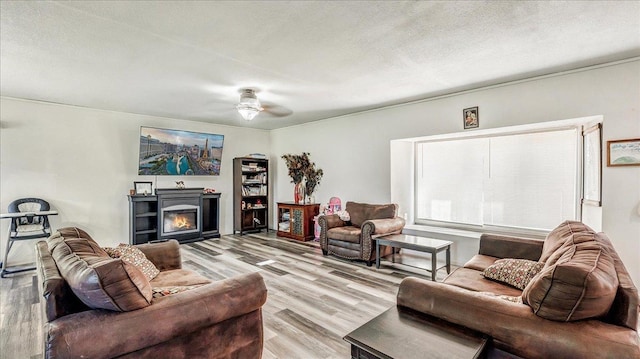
pixel 514 327
pixel 510 247
pixel 330 221
pixel 380 227
pixel 177 315
pixel 327 222
pixel 164 255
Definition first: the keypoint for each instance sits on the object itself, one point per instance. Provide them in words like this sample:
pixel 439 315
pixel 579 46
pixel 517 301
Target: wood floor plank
pixel 313 300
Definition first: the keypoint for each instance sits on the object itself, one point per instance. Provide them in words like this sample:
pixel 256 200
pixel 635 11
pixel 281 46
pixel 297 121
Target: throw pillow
pixel 514 272
pixel 556 238
pixel 581 284
pixel 344 216
pixel 135 257
pixel 98 280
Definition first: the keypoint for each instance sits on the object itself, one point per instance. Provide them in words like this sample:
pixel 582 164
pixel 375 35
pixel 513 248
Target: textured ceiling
pixel 307 60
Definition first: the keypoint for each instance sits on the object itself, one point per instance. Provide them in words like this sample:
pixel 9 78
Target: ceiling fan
pixel 249 106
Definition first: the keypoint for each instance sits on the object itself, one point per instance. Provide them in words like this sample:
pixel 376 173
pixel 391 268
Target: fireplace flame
pixel 181 222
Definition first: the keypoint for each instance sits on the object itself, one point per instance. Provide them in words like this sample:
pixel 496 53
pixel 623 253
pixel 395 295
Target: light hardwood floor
pixel 313 300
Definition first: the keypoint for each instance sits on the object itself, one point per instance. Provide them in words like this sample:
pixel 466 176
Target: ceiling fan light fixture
pixel 249 106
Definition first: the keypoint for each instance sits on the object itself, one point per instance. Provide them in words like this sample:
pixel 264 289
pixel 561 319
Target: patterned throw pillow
pixel 165 291
pixel 515 272
pixel 135 257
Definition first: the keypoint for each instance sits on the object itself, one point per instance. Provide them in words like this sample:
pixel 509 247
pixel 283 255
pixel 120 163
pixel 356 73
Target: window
pixel 522 180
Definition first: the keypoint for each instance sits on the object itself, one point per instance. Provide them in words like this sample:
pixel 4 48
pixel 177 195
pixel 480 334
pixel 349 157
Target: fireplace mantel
pixel 179 191
pixel 146 215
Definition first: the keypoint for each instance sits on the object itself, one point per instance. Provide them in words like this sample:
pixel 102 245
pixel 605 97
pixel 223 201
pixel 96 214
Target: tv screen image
pixel 179 153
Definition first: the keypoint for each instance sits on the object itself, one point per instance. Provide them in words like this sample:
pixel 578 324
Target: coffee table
pixel 403 333
pixel 421 244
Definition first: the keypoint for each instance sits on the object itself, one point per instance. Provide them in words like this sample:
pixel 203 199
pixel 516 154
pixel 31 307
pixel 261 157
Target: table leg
pixel 377 255
pixel 448 259
pixel 434 264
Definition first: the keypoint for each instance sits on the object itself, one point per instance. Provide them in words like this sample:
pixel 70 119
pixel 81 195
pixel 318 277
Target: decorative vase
pixel 295 192
pixel 298 193
pixel 301 195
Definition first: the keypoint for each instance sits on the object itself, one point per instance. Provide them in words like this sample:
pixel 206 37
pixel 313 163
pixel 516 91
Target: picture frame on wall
pixel 623 152
pixel 143 188
pixel 470 117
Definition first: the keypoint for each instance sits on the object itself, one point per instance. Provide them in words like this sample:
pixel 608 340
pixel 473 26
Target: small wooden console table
pixel 295 221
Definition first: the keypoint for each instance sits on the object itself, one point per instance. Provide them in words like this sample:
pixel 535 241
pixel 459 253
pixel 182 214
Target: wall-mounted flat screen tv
pixel 179 153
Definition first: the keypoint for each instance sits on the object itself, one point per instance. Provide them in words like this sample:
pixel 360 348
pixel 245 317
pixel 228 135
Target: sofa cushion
pixel 360 212
pixel 98 280
pixel 178 277
pixel 472 279
pixel 480 262
pixel 556 238
pixel 159 292
pixel 346 233
pixel 514 272
pixel 581 284
pixel 134 256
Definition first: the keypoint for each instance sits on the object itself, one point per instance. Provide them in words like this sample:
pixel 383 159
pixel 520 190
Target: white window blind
pixel 523 180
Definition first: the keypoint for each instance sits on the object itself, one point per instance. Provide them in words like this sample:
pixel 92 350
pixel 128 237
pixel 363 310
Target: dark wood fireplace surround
pixel 146 215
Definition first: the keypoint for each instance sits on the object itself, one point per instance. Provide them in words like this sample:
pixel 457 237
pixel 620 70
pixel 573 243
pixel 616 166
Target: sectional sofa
pixel 97 306
pixel 568 296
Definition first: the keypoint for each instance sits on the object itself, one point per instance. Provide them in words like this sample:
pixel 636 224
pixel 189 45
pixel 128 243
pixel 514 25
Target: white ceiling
pixel 307 60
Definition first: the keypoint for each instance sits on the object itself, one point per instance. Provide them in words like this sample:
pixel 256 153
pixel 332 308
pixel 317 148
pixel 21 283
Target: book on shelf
pixel 254 190
pixel 250 168
pixel 259 178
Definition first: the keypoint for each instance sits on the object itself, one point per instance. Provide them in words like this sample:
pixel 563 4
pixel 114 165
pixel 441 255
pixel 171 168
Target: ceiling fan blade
pixel 276 110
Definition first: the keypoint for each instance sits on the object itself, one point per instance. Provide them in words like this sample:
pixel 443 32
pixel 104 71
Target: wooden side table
pixel 295 221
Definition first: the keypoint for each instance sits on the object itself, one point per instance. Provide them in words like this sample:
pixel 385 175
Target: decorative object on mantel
pixel 304 175
pixel 143 188
pixel 471 117
pixel 209 190
pixel 180 184
pixel 623 152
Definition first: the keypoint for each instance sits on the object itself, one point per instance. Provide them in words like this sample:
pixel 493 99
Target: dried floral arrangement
pixel 301 168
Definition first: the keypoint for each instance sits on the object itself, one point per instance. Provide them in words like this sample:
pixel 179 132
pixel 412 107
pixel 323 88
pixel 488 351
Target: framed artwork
pixel 470 117
pixel 179 153
pixel 143 188
pixel 592 166
pixel 623 152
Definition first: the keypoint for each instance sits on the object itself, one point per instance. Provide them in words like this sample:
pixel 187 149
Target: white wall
pixel 84 161
pixel 354 150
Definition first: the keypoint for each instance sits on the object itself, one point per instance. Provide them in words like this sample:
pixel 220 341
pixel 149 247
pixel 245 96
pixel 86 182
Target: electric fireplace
pixel 179 214
pixel 180 219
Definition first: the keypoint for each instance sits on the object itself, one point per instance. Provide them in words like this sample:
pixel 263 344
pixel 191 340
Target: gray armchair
pixel 353 239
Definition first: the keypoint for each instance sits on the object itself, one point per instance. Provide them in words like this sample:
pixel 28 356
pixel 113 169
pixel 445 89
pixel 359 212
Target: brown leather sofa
pixel 353 239
pixel 582 304
pixel 220 319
